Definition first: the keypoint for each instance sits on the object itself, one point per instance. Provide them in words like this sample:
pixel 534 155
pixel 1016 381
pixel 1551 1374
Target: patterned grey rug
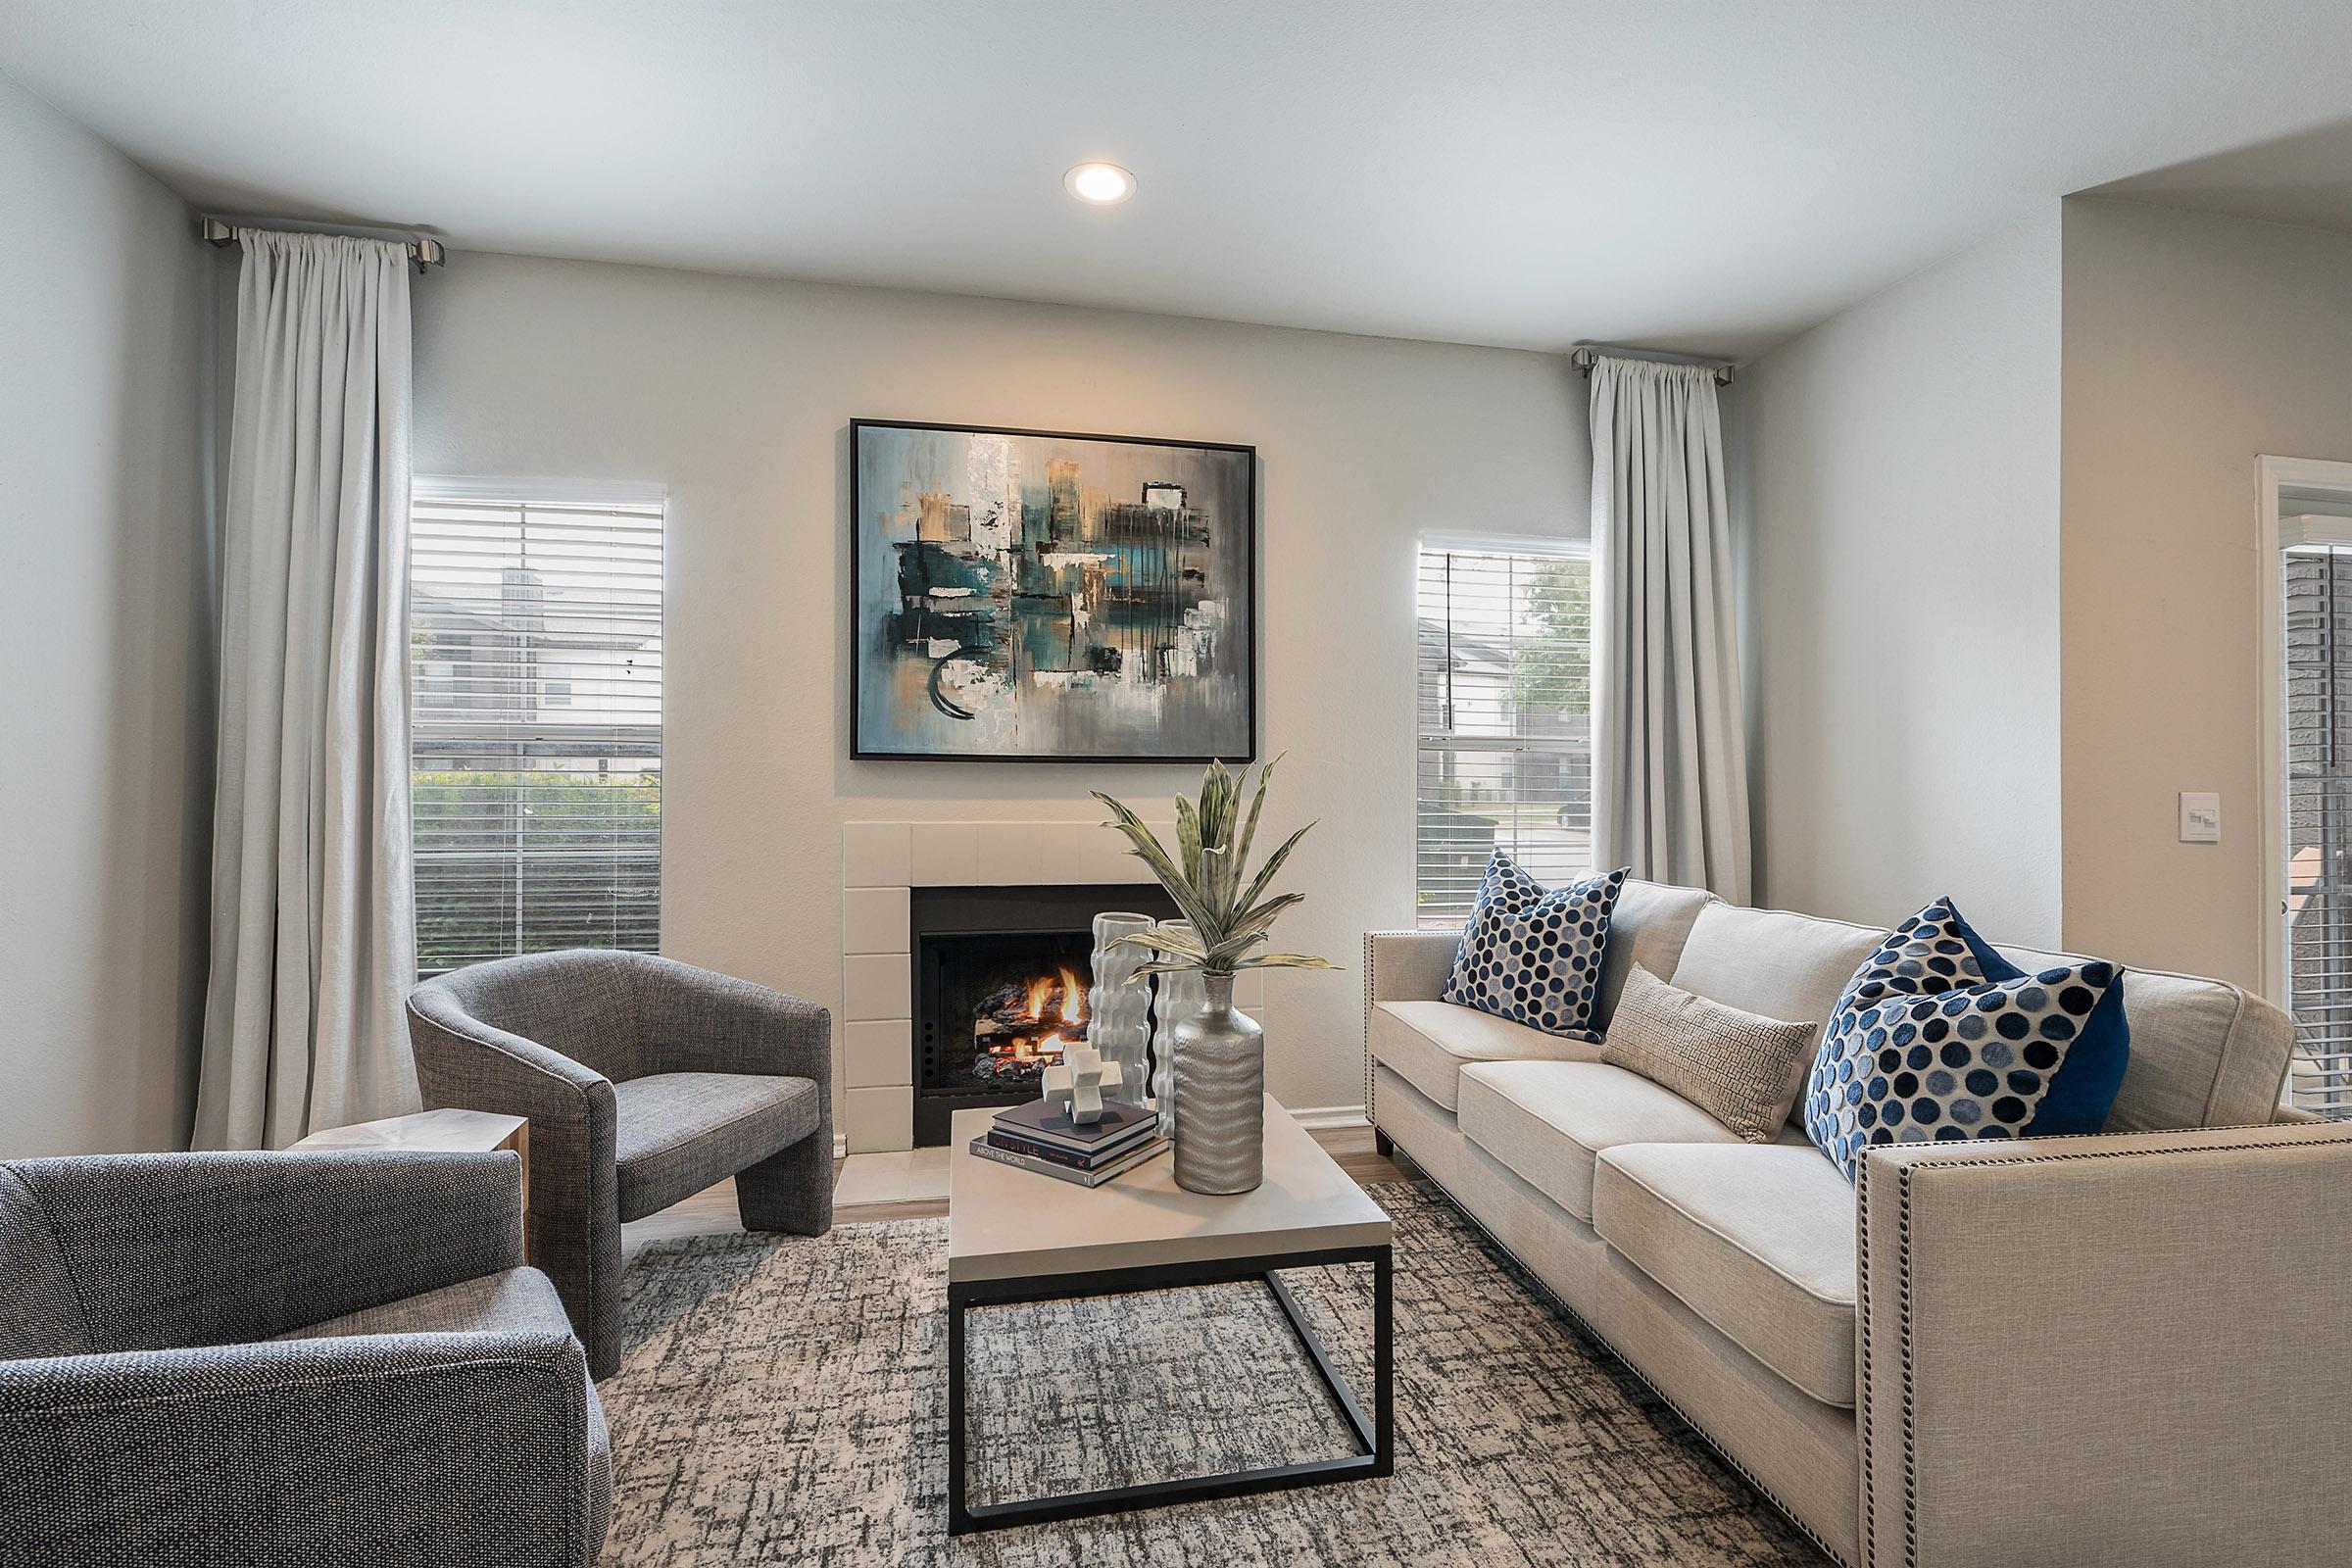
pixel 783 1399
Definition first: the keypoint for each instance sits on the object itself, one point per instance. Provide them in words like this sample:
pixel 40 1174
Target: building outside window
pixel 1502 710
pixel 535 753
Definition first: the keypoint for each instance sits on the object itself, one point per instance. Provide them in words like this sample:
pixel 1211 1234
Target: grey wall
pixel 1901 514
pixel 105 800
pixel 2195 344
pixel 736 393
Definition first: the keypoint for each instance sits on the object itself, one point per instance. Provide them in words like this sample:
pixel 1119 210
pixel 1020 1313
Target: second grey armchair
pixel 318 1357
pixel 645 1081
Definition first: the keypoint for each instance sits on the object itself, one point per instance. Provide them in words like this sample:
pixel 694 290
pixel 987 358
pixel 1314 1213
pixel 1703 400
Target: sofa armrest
pixel 1407 966
pixel 206 1249
pixel 1401 966
pixel 2112 1350
pixel 423 1448
pixel 696 1020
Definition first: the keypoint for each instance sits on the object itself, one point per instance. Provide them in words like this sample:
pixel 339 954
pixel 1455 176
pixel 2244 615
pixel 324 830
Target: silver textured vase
pixel 1118 1007
pixel 1176 997
pixel 1220 1083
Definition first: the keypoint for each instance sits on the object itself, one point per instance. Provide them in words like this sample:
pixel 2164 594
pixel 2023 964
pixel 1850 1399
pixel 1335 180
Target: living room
pixel 668 617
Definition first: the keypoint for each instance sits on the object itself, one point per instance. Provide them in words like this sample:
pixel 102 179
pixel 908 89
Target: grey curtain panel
pixel 1670 754
pixel 312 940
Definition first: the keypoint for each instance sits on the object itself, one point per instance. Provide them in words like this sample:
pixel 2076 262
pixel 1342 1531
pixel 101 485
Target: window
pixel 2316 645
pixel 535 751
pixel 1502 714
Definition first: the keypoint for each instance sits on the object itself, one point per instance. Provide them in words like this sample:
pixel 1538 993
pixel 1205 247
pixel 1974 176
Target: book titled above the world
pixel 1038 1149
pixel 1085 1178
pixel 1048 1122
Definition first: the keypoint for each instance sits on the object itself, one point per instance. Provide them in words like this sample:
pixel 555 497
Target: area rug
pixel 783 1399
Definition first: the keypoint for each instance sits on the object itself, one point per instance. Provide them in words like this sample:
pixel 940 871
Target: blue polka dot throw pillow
pixel 1939 1038
pixel 1535 956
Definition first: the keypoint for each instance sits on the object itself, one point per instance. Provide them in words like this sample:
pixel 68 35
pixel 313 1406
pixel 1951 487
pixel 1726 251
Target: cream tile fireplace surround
pixel 880 864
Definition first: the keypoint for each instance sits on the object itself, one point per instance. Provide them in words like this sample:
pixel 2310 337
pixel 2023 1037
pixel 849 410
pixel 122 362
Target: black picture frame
pixel 859 751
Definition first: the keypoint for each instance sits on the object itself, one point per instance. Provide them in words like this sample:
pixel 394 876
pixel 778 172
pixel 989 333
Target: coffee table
pixel 1014 1236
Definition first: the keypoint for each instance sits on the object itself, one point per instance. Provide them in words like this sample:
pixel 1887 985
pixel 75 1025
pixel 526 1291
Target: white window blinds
pixel 535 645
pixel 1503 705
pixel 2317 622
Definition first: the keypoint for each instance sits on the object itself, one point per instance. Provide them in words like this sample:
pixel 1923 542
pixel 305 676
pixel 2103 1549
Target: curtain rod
pixel 423 251
pixel 1582 356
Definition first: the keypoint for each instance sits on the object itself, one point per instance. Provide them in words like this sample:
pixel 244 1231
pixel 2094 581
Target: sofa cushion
pixel 2204 1054
pixel 1549 1120
pixel 676 1133
pixel 509 1300
pixel 1741 1070
pixel 1535 955
pixel 1427 1043
pixel 1648 926
pixel 1772 962
pixel 1759 1240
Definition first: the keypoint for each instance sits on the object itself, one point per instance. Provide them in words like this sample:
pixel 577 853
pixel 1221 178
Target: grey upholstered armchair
pixel 645 1081
pixel 329 1357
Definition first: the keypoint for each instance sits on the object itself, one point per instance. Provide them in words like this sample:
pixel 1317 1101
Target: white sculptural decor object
pixel 1177 997
pixel 1118 1009
pixel 1077 1082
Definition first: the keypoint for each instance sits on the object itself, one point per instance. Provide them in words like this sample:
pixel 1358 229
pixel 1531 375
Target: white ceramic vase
pixel 1118 1006
pixel 1177 997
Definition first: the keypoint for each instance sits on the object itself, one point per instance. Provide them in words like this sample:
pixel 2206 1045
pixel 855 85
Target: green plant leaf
pixel 1171 966
pixel 1252 925
pixel 1285 960
pixel 1182 941
pixel 1216 889
pixel 1257 804
pixel 1217 813
pixel 1187 839
pixel 1265 872
pixel 1149 849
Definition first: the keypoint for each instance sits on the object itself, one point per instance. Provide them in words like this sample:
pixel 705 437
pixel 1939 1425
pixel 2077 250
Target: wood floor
pixel 712 1212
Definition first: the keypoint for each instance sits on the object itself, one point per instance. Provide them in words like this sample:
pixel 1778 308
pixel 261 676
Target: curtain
pixel 1670 750
pixel 313 948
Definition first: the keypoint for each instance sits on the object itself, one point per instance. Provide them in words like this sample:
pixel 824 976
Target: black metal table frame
pixel 1375 1434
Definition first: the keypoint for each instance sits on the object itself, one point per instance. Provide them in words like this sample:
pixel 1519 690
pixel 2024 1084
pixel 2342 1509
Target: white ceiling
pixel 1705 174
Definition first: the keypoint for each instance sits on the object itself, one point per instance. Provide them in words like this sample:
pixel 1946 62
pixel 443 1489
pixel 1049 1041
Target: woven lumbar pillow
pixel 1939 1038
pixel 1535 956
pixel 1739 1067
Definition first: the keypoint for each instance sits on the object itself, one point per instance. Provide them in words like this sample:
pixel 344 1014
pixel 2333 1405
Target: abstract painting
pixel 1028 596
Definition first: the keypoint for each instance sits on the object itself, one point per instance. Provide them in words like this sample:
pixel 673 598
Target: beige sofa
pixel 2129 1348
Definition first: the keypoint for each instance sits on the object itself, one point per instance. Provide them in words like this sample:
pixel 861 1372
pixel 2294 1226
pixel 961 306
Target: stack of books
pixel 1040 1137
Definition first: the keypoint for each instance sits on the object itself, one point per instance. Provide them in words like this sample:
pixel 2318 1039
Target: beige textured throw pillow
pixel 1741 1070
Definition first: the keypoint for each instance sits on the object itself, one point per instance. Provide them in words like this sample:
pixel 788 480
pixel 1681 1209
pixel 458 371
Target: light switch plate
pixel 2200 816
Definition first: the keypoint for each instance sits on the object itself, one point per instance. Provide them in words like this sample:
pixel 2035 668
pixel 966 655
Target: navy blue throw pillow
pixel 1939 1038
pixel 1534 956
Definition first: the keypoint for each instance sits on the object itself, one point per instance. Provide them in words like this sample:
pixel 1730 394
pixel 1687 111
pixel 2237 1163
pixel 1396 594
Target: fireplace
pixel 1000 976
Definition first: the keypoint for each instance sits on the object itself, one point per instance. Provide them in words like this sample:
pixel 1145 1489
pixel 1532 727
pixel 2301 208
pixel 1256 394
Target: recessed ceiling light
pixel 1103 184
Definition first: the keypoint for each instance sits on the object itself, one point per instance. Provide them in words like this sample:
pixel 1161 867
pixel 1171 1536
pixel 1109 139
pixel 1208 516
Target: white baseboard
pixel 1319 1119
pixel 841 1146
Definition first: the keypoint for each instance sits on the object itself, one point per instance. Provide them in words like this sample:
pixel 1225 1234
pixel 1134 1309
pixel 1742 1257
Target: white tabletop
pixel 1009 1223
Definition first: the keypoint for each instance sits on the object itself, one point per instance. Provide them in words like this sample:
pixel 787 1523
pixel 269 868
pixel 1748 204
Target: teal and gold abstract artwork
pixel 1027 596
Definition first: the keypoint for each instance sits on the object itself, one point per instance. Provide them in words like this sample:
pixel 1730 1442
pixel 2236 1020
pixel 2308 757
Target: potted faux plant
pixel 1219 1072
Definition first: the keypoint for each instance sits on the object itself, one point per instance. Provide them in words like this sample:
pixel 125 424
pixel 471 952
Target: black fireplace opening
pixel 1001 980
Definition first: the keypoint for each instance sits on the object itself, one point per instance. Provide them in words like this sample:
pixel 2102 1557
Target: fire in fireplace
pixel 1001 981
pixel 1021 1027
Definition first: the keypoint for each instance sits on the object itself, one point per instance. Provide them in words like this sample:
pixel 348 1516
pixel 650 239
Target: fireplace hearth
pixel 1001 977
